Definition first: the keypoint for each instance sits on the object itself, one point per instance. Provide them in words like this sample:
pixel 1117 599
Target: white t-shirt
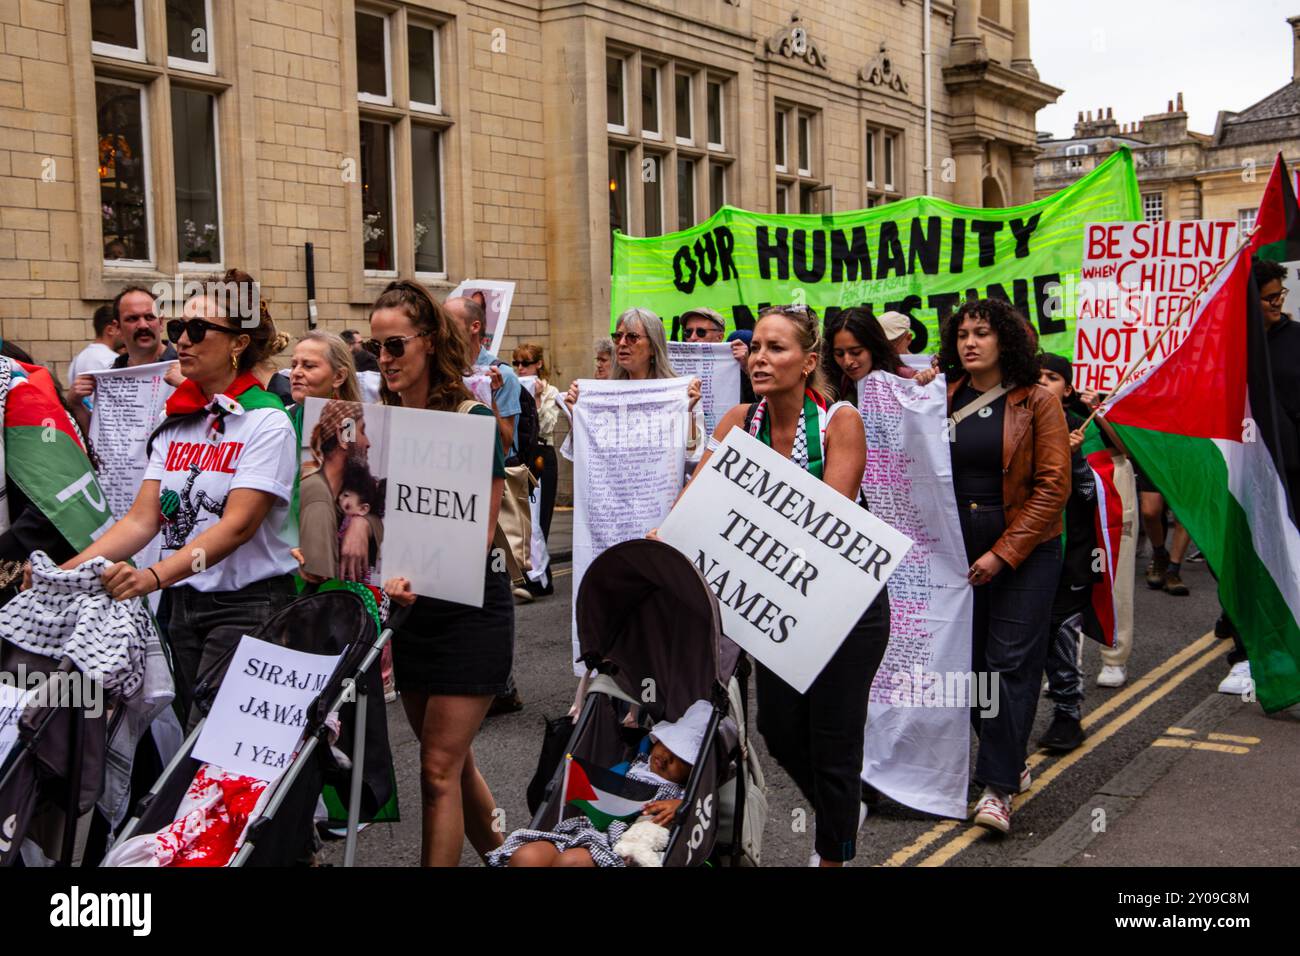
pixel 95 357
pixel 197 475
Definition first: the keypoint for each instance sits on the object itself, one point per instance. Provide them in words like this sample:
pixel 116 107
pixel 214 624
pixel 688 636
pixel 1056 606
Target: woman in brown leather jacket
pixel 1011 473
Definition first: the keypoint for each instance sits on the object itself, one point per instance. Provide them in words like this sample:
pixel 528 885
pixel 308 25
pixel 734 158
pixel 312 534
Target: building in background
pixel 144 139
pixel 1183 174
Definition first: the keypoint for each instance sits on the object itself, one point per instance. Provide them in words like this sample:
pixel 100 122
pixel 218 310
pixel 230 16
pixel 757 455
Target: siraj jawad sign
pixel 922 256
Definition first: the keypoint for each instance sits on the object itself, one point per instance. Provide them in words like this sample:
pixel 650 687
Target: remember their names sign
pixel 793 562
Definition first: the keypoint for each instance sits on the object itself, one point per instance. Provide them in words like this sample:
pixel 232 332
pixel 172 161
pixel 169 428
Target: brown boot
pixel 1156 571
pixel 1174 584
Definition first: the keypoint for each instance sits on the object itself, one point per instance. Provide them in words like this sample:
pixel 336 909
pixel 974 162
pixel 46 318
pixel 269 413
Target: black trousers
pixel 1064 680
pixel 1009 640
pixel 816 737
pixel 204 626
pixel 550 481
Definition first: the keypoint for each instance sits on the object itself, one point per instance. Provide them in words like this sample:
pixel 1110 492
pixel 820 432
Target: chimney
pixel 1170 107
pixel 1180 102
pixel 1109 113
pixel 1295 47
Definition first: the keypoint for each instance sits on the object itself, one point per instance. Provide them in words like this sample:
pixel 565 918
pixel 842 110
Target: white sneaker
pixel 1026 781
pixel 1111 676
pixel 1238 681
pixel 993 811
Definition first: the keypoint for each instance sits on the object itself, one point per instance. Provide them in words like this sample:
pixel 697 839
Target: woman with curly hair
pixel 1011 473
pixel 450 659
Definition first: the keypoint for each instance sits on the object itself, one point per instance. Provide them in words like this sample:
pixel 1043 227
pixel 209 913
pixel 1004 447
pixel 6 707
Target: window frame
pixel 1160 198
pixel 137 54
pixel 623 90
pixel 803 124
pixel 184 265
pixel 206 67
pixel 373 99
pixel 790 177
pixel 780 160
pixel 653 134
pixel 889 162
pixel 150 210
pixel 389 124
pixel 419 106
pixel 879 140
pixel 721 144
pixel 441 132
pixel 660 188
pixel 689 77
pixel 714 164
pixel 1243 226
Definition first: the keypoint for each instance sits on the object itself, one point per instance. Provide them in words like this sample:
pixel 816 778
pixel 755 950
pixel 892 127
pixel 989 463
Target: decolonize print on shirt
pixel 182 510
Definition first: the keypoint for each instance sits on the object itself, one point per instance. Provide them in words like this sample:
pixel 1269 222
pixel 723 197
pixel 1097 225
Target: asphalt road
pixel 1123 722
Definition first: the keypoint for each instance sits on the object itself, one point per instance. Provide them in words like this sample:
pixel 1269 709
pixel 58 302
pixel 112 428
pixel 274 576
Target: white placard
pixel 260 712
pixel 1135 280
pixel 719 374
pixel 129 404
pixel 917 752
pixel 480 384
pixel 436 470
pixel 497 296
pixel 128 407
pixel 629 461
pixel 794 563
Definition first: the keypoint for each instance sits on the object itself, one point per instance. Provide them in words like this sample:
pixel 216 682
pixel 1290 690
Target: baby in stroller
pixel 577 841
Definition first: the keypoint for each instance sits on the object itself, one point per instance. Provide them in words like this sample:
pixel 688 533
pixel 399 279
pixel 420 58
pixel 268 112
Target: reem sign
pixel 793 562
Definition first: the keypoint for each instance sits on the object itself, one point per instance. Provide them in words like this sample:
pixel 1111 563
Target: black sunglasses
pixel 394 346
pixel 699 332
pixel 195 329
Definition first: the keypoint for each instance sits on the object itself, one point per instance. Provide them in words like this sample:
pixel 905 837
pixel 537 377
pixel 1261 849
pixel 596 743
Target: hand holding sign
pixel 793 562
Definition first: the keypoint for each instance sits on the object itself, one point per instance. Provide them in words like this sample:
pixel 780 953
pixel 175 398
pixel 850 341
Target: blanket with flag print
pixel 1203 426
pixel 43 455
pixel 603 795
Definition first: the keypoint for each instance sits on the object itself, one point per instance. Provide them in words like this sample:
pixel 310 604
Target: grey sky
pixel 1136 55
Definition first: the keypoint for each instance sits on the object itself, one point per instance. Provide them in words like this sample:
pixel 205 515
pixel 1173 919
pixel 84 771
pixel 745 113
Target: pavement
pixel 1181 775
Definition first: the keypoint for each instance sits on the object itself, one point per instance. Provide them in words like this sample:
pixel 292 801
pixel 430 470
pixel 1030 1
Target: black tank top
pixel 977 451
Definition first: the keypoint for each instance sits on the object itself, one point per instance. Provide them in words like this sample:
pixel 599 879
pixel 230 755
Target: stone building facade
pixel 1183 174
pixel 141 140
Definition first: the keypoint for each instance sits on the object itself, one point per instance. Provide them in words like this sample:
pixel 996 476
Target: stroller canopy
pixel 645 612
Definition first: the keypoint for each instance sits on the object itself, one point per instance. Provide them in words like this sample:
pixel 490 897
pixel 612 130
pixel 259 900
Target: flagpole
pixel 1137 362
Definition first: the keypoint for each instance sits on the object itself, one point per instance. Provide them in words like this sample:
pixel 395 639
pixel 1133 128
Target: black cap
pixel 1060 365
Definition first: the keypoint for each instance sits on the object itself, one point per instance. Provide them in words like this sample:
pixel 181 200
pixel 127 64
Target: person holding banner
pixel 1011 473
pixel 816 737
pixel 854 347
pixel 218 485
pixel 641 352
pixel 450 659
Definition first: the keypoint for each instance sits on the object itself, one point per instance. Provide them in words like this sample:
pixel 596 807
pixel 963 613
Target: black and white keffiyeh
pixel 69 614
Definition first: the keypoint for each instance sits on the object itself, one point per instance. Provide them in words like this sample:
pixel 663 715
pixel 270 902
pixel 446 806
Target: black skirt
pixel 444 648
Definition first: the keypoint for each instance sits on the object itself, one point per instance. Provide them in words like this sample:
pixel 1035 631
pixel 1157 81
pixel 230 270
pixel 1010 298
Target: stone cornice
pixel 1000 84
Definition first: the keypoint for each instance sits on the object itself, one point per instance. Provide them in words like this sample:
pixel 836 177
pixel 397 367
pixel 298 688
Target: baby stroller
pixel 328 622
pixel 55 770
pixel 649 625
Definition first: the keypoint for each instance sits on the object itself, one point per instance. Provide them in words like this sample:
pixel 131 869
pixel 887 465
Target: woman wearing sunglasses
pixel 641 352
pixel 529 359
pixel 450 659
pixel 218 486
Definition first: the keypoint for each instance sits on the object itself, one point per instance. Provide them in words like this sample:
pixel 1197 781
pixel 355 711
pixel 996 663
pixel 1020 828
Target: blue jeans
pixel 1009 639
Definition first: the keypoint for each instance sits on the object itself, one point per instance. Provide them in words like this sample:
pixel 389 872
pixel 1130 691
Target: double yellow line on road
pixel 1148 687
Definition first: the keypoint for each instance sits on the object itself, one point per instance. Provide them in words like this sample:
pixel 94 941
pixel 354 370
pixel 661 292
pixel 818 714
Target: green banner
pixel 920 256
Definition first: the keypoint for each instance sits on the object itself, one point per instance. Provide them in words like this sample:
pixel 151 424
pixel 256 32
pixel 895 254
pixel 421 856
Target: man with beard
pixel 141 332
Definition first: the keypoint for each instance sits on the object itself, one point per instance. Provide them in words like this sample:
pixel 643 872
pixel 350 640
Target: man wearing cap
pixel 898 330
pixel 706 325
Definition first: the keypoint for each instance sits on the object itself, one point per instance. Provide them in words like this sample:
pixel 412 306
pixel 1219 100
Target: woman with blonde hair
pixel 451 659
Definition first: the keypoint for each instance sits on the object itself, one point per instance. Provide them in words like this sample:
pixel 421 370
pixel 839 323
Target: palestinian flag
pixel 1108 524
pixel 1277 224
pixel 603 795
pixel 1201 424
pixel 43 455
